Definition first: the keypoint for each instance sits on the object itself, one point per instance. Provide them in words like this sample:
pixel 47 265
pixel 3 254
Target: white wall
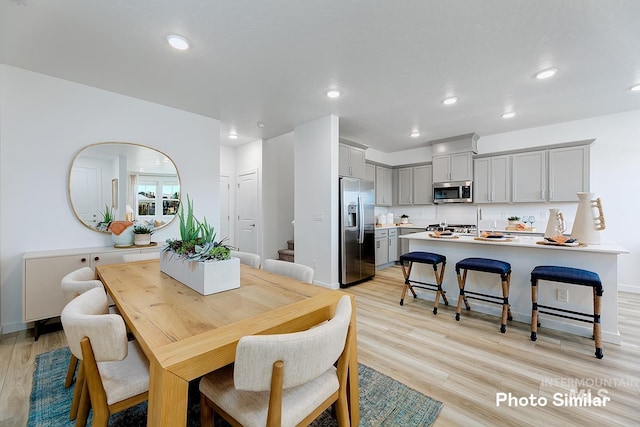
pixel 278 193
pixel 45 122
pixel 316 198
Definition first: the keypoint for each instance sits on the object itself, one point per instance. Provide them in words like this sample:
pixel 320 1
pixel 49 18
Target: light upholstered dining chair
pixel 74 284
pixel 283 379
pixel 113 370
pixel 144 256
pixel 291 269
pixel 247 258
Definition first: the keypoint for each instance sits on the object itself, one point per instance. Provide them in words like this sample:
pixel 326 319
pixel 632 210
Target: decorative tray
pixel 443 236
pixel 571 245
pixel 494 239
pixel 137 246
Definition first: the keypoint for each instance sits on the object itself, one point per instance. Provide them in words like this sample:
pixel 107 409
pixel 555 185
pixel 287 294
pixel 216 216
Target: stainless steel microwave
pixel 453 192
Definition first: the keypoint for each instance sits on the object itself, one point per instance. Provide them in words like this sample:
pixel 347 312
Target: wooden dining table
pixel 186 335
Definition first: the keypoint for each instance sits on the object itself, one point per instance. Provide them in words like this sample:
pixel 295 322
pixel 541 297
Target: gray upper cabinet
pixel 568 173
pixel 383 186
pixel 553 175
pixel 415 185
pixel 529 176
pixel 453 167
pixel 492 180
pixel 405 186
pixel 423 185
pixel 370 172
pixel 351 161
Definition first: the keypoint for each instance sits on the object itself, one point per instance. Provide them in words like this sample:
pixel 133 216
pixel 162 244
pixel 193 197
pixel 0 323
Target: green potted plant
pixel 404 219
pixel 142 234
pixel 513 220
pixel 197 259
pixel 107 218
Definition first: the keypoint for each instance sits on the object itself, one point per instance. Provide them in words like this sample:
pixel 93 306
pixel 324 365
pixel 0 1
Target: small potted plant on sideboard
pixel 142 234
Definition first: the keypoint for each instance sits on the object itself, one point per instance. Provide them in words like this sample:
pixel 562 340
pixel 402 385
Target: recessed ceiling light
pixel 635 88
pixel 508 115
pixel 178 42
pixel 233 136
pixel 545 74
pixel 415 134
pixel 334 93
pixel 450 100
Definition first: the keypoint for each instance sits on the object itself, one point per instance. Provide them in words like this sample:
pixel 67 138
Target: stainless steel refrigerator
pixel 357 231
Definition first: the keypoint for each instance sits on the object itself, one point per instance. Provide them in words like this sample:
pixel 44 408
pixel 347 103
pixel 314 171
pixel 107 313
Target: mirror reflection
pixel 123 182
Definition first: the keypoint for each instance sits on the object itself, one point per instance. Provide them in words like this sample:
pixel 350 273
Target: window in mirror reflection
pixel 148 198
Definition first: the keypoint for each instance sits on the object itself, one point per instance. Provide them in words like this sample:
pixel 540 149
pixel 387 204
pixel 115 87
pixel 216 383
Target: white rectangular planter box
pixel 203 277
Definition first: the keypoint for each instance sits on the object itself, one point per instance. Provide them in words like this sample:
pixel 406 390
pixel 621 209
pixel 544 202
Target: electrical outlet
pixel 562 295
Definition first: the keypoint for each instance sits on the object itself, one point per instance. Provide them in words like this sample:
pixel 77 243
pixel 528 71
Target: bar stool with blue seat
pixel 574 276
pixel 485 265
pixel 407 261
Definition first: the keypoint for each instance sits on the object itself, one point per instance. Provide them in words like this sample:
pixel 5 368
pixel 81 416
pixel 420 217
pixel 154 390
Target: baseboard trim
pixel 629 288
pixel 13 327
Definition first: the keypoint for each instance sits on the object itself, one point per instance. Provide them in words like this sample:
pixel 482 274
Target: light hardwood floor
pixel 463 364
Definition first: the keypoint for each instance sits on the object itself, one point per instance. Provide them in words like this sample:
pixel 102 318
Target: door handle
pixel 253 225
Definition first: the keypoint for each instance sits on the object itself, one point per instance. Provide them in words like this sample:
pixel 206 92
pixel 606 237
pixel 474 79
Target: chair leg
pixel 84 403
pixel 534 310
pixel 206 414
pixel 71 370
pixel 342 411
pixel 505 305
pixel 597 332
pixel 406 272
pixel 439 292
pixel 77 393
pixel 461 297
pixel 509 316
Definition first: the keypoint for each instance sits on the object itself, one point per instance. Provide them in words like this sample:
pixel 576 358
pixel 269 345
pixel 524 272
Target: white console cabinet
pixel 43 271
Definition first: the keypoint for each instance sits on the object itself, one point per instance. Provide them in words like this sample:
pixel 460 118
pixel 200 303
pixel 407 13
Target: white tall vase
pixel 555 224
pixel 589 220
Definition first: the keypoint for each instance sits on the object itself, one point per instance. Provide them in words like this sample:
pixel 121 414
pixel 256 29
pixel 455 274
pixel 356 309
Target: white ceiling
pixel 395 61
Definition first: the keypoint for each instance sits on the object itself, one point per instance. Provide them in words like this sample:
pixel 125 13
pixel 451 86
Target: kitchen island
pixel 524 253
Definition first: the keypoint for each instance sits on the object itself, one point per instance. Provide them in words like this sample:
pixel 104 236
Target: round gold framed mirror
pixel 118 181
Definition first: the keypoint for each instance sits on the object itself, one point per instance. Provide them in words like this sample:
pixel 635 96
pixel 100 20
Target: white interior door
pixel 85 190
pixel 225 191
pixel 248 212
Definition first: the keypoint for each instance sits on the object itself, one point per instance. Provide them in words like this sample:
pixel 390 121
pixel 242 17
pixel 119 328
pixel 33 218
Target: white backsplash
pixel 462 213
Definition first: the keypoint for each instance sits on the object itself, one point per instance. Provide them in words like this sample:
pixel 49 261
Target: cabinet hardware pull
pixel 83 260
pixel 97 258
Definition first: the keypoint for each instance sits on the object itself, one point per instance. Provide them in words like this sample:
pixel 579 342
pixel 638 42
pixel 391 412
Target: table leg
pixel 168 397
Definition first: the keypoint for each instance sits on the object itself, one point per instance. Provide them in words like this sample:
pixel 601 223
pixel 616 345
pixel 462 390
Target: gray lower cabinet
pixel 393 245
pixel 382 247
pixel 386 246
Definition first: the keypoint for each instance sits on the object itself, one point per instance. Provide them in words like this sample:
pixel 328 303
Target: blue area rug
pixel 383 401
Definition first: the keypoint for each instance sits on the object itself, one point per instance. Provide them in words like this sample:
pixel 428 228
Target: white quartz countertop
pixel 385 226
pixel 518 242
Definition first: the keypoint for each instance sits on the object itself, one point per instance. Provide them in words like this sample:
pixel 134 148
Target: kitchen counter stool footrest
pixel 407 261
pixel 573 276
pixel 485 265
